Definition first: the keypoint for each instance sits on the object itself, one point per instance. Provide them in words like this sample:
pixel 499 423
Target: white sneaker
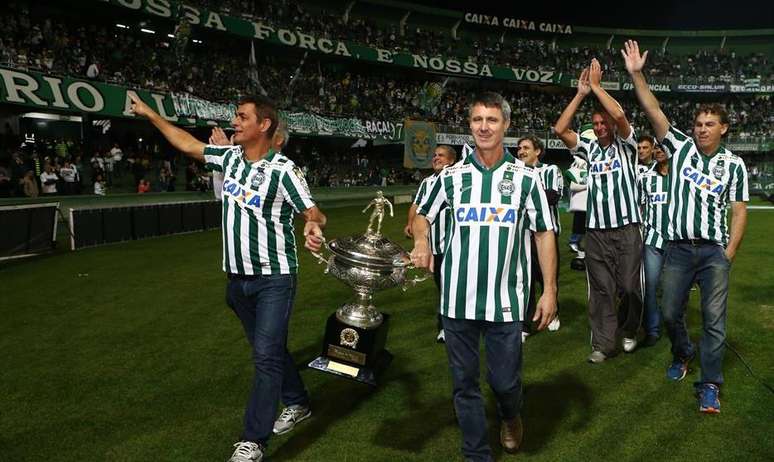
pixel 554 325
pixel 290 416
pixel 247 451
pixel 629 344
pixel 441 338
pixel 574 247
pixel 524 336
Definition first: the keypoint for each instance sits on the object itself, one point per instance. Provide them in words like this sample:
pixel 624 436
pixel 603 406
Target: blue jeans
pixel 707 263
pixel 502 341
pixel 653 261
pixel 263 304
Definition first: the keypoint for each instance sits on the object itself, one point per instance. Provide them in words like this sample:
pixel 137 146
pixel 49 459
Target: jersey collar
pixel 473 159
pixel 268 157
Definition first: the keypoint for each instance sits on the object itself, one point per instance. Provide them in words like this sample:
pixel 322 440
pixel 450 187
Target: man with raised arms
pixel 261 190
pixel 498 204
pixel 705 178
pixel 613 240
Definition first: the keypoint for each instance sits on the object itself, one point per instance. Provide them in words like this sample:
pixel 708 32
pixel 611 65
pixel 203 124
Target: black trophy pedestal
pixel 354 352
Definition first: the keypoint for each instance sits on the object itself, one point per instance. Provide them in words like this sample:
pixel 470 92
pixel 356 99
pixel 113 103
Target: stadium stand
pixel 139 50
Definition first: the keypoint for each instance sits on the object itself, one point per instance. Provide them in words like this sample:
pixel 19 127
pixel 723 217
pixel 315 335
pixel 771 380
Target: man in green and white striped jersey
pixel 262 189
pixel 645 146
pixel 530 151
pixel 498 205
pixel 654 192
pixel 705 178
pixel 613 241
pixel 443 156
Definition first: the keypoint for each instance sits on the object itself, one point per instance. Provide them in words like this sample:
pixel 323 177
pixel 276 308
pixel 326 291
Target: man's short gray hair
pixel 491 99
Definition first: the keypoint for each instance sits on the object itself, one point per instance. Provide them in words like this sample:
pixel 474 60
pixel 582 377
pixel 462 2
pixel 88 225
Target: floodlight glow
pixel 148 31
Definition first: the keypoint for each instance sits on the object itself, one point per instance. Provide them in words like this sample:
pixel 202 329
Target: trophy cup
pixel 355 335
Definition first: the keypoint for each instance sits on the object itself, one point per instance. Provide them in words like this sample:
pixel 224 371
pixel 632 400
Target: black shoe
pixel 650 340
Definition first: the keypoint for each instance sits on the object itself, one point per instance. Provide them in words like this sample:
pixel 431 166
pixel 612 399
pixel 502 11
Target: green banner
pixel 294 37
pixel 46 92
pixel 68 94
pixel 313 124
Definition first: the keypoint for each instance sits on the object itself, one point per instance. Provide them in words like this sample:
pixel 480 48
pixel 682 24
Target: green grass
pixel 129 353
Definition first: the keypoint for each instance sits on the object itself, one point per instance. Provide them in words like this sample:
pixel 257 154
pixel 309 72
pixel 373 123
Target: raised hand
pixel 218 137
pixel 595 73
pixel 583 83
pixel 139 108
pixel 632 58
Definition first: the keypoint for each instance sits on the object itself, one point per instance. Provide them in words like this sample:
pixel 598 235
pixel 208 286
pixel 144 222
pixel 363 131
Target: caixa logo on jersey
pixel 658 198
pixel 702 181
pixel 485 215
pixel 240 194
pixel 601 167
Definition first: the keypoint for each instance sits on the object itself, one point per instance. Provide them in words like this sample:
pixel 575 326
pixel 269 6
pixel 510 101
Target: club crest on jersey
pixel 702 181
pixel 718 171
pixel 485 215
pixel 602 167
pixel 240 194
pixel 258 179
pixel 506 187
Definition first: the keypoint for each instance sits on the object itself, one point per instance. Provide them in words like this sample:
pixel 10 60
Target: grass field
pixel 129 353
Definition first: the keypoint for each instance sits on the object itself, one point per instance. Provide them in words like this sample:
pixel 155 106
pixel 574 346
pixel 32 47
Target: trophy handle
pixel 414 280
pixel 322 259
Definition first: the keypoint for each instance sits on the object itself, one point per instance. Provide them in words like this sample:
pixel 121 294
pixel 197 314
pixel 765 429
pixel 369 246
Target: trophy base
pixel 367 375
pixel 354 352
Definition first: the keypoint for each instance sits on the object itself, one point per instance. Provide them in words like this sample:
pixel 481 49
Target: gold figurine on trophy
pixel 378 214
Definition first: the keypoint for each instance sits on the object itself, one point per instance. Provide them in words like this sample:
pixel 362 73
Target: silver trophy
pixel 368 263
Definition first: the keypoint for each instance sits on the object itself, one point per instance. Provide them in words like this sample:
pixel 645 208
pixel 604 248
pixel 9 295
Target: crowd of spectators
pixel 217 71
pixel 59 167
pixel 721 65
pixel 45 166
pixel 347 167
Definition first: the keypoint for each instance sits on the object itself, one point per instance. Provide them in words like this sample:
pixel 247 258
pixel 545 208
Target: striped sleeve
pixel 573 175
pixel 215 156
pixel 559 181
pixel 554 179
pixel 631 141
pixel 433 200
pixel 295 189
pixel 538 213
pixel 421 192
pixel 673 141
pixel 582 147
pixel 738 191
